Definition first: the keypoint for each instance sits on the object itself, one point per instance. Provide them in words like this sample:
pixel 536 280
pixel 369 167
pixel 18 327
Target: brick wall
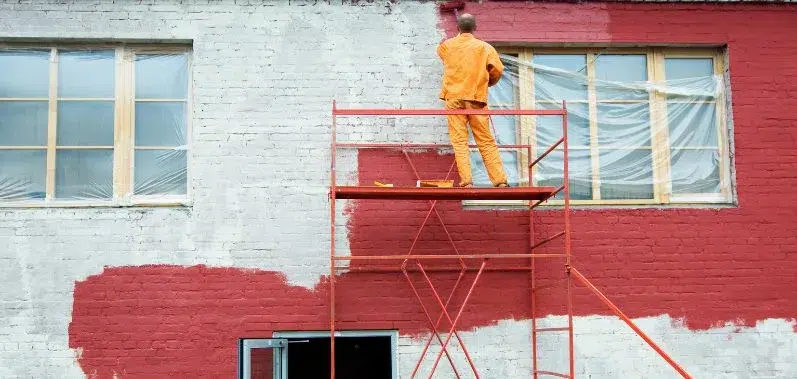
pixel 265 75
pixel 699 268
pixel 156 292
pixel 699 251
pixel 706 267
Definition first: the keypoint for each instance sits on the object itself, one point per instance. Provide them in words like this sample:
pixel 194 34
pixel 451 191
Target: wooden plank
pixel 559 203
pixel 582 50
pixel 699 198
pixel 531 123
pixel 662 185
pixel 117 123
pixel 559 103
pixel 122 121
pixel 594 151
pixel 76 44
pixel 675 52
pixel 86 99
pixel 24 99
pixel 443 112
pixel 526 126
pixel 52 120
pixel 189 120
pixel 626 147
pixel 128 123
pixel 723 141
pixel 457 193
pixel 159 49
pixel 622 101
pixel 694 148
pixel 691 101
pixel 82 147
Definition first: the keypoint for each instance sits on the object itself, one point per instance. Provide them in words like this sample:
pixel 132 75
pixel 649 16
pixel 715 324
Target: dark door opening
pixel 355 358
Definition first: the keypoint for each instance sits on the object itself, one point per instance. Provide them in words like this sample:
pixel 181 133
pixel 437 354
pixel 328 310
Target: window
pixel 645 126
pixel 99 125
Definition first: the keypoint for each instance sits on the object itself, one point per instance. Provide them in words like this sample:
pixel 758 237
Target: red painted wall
pixel 706 265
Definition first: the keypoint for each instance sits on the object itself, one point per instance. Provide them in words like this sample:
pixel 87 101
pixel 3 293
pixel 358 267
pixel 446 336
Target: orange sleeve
pixel 441 51
pixel 494 67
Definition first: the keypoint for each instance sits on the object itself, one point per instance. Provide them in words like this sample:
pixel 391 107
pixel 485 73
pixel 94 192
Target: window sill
pixel 691 201
pixel 165 202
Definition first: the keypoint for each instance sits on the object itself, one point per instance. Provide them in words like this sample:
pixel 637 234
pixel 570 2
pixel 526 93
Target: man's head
pixel 466 23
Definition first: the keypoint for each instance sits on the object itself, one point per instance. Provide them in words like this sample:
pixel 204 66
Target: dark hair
pixel 466 23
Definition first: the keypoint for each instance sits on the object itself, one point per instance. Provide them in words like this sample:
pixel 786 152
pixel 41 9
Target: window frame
pixel 279 348
pixel 660 148
pixel 123 129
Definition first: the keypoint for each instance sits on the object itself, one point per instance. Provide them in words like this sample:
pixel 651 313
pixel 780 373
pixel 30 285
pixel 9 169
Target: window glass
pixel 85 123
pixel 84 174
pixel 23 174
pixel 161 125
pixel 86 74
pixel 25 73
pixel 23 123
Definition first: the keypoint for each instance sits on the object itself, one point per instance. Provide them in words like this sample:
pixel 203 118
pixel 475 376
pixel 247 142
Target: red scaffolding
pixel 534 195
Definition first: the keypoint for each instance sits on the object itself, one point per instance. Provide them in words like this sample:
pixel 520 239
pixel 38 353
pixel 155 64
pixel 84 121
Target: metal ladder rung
pixel 552 374
pixel 551 329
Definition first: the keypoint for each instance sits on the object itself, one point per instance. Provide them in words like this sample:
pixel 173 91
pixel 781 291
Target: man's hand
pixel 494 67
pixel 495 75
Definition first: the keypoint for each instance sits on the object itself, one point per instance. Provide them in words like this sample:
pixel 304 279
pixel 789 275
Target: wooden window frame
pixel 124 127
pixel 660 148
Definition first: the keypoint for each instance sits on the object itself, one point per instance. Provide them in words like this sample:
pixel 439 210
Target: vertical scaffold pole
pixel 533 280
pixel 333 151
pixel 566 179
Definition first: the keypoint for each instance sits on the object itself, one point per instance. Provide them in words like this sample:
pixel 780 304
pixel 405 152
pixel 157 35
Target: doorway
pixel 305 355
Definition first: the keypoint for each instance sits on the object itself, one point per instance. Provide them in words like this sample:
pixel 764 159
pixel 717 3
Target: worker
pixel 469 67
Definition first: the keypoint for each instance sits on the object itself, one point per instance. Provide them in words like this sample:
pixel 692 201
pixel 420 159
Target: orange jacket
pixel 469 67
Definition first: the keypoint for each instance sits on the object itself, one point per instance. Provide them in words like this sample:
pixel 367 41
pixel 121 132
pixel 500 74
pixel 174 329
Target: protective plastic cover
pixel 618 121
pixel 63 120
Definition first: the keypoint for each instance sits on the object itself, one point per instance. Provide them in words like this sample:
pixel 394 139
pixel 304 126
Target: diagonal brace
pixel 456 319
pixel 437 324
pixel 616 310
pixel 434 329
pixel 448 316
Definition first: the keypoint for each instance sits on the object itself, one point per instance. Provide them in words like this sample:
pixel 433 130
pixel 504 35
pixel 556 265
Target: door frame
pixel 393 334
pixel 279 346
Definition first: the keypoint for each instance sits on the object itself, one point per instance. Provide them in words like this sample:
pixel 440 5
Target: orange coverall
pixel 469 67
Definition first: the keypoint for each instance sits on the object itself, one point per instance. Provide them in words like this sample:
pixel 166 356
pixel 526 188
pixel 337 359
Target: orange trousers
pixel 458 133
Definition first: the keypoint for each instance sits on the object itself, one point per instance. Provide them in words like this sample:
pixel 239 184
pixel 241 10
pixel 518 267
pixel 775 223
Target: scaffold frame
pixel 534 195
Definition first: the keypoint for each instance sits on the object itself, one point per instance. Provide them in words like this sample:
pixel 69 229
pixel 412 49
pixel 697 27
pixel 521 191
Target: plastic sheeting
pixel 86 112
pixel 161 134
pixel 613 113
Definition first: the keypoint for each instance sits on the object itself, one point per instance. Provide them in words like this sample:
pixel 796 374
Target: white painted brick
pixel 265 73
